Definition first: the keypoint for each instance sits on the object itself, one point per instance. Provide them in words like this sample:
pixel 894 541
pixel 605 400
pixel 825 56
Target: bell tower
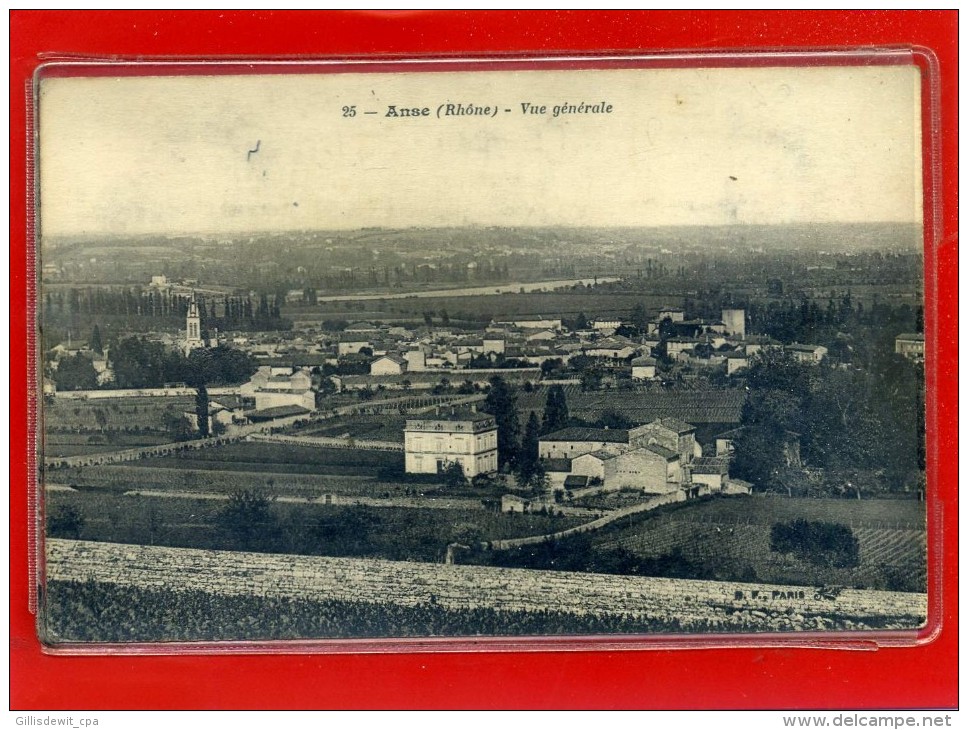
pixel 193 327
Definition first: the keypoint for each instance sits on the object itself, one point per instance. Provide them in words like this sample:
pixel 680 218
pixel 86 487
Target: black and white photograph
pixel 576 351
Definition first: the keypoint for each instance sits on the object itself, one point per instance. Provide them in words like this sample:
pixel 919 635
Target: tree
pixel 759 450
pixel 65 522
pixel 824 544
pixel 75 372
pixel 502 404
pixel 778 370
pixel 611 418
pixel 548 367
pixel 591 379
pixel 556 410
pixel 96 344
pixel 248 519
pixel 454 475
pixel 201 409
pixel 138 363
pixel 528 461
pixel 639 317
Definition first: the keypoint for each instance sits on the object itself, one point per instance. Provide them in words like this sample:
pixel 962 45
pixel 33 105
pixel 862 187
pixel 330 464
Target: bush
pixel 825 544
pixel 65 522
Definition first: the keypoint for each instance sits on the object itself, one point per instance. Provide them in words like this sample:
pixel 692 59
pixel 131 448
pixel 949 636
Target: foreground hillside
pixel 108 592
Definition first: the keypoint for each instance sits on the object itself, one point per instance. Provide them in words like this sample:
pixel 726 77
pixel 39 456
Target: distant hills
pixel 833 237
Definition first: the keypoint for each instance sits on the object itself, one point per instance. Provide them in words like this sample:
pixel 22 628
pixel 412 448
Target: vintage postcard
pixel 552 351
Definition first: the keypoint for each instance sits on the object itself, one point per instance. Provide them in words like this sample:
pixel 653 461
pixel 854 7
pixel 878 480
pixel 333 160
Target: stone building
pixel 572 442
pixel 910 345
pixel 670 433
pixel 735 321
pixel 274 387
pixel 643 368
pixel 467 438
pixel 653 469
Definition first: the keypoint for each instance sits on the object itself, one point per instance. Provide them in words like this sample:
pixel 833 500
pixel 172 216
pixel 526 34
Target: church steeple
pixel 193 326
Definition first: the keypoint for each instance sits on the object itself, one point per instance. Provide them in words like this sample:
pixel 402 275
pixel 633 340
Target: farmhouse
pixel 608 325
pixel 273 387
pixel 760 343
pixel 459 437
pixel 388 365
pixel 541 335
pixel 514 503
pixel 711 471
pixel 675 346
pixel 535 322
pixel 670 433
pixel 807 353
pixel 351 344
pixel 910 345
pixel 643 368
pixel 569 443
pixel 736 361
pixel 675 314
pixel 217 414
pixel 652 469
pixel 616 348
pixel 493 344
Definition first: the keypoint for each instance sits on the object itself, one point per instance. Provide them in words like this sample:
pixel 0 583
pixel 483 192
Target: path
pixel 649 504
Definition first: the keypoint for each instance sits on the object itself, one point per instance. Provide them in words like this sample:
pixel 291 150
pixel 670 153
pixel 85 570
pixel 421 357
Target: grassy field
pixel 118 414
pixel 74 444
pixel 509 304
pixel 190 478
pixel 99 612
pixel 309 471
pixel 394 533
pixel 377 428
pixel 697 407
pixel 281 458
pixel 728 539
pixel 731 539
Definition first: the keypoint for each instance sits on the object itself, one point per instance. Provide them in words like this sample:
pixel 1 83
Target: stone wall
pixel 649 504
pixel 329 442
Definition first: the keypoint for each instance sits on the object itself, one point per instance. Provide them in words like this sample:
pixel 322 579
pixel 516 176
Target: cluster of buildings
pixel 657 458
pixel 394 357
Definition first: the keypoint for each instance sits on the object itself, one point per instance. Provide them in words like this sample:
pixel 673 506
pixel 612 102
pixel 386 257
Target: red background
pixel 768 678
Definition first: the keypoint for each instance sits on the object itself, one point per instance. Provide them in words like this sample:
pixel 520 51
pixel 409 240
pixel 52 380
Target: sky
pixel 680 147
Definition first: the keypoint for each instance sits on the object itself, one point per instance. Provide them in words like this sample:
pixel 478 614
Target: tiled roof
pixel 803 348
pixel 710 465
pixel 667 454
pixel 674 424
pixel 578 433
